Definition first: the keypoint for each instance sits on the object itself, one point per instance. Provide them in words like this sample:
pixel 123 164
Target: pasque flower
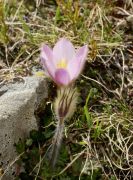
pixel 63 63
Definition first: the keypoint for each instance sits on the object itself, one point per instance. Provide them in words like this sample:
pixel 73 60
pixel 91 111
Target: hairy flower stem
pixel 64 107
pixel 57 140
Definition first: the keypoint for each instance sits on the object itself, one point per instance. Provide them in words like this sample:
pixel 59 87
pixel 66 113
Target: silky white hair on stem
pixel 64 107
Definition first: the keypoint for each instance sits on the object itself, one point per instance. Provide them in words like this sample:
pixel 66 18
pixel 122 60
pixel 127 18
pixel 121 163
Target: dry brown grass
pixel 107 29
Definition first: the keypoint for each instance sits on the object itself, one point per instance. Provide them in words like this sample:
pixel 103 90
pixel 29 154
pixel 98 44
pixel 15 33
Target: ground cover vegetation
pixel 98 140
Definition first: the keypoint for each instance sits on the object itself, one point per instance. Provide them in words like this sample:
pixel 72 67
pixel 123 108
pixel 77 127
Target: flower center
pixel 62 64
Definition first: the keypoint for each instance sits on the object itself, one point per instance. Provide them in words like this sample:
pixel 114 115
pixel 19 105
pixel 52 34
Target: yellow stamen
pixel 62 64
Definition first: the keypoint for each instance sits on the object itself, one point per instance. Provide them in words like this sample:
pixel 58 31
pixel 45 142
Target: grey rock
pixel 18 104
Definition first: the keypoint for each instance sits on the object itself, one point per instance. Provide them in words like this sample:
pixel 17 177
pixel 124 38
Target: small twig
pixel 17 11
pixel 80 154
pixel 11 164
pixel 39 163
pixel 38 167
pixel 123 73
pixel 112 91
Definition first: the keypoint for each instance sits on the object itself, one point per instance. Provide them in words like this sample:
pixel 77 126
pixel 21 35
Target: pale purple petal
pixel 47 60
pixel 63 49
pixel 62 77
pixel 76 65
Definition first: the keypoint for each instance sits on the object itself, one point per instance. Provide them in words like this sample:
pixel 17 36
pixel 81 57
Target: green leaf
pixel 20 146
pixel 88 116
pixel 86 111
pixel 29 142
